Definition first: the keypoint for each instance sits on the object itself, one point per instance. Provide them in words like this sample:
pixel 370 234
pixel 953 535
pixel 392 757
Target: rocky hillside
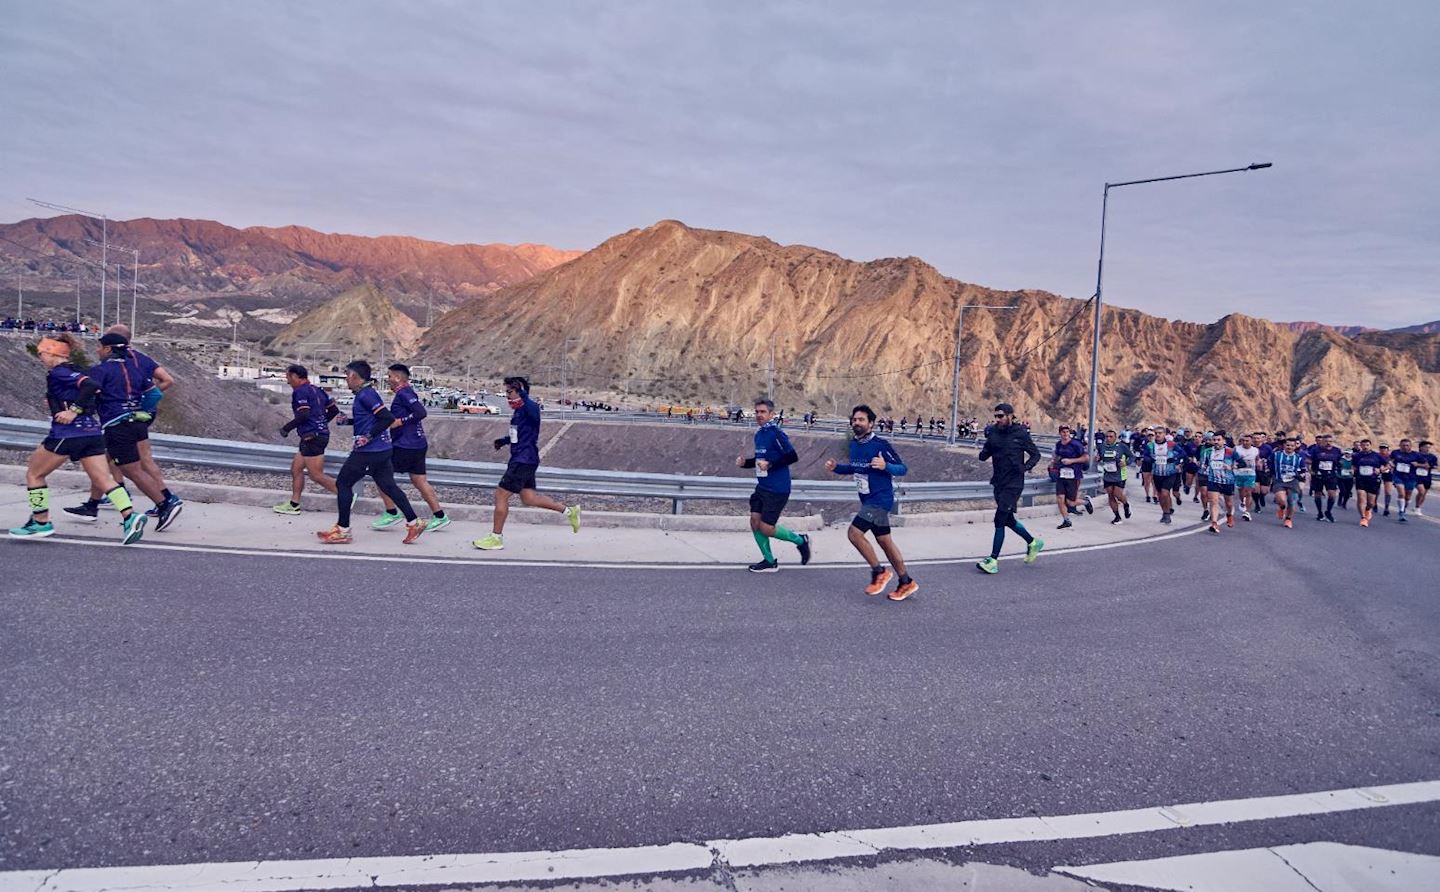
pixel 694 314
pixel 183 258
pixel 355 323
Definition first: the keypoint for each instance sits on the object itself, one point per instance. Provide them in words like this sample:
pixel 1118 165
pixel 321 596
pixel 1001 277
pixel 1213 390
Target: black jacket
pixel 1014 454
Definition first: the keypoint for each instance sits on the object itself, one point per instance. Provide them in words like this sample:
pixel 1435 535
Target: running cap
pixel 1005 408
pixel 114 339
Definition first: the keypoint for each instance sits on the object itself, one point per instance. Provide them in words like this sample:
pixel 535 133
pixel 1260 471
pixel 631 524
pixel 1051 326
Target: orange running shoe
pixel 336 535
pixel 904 591
pixel 878 583
pixel 1365 520
pixel 413 529
pixel 1289 524
pixel 1230 520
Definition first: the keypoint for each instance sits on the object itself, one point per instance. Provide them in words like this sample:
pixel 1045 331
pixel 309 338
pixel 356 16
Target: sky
pixel 976 136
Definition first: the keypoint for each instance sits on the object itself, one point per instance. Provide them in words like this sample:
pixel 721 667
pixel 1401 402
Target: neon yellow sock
pixel 120 498
pixel 39 497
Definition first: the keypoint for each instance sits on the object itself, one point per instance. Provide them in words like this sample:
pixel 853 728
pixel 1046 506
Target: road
pixel 171 708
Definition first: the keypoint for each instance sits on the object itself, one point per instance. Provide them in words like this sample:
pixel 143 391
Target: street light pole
pixel 1100 277
pixel 952 434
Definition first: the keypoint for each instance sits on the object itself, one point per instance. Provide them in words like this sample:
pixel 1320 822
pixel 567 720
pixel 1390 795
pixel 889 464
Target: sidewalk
pixel 248 527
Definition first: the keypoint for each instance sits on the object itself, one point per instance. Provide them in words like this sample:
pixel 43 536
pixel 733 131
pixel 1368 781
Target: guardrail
pixel 677 488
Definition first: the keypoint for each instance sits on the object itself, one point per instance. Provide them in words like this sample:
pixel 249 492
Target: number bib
pixel 1067 473
pixel 514 434
pixel 1366 471
pixel 1327 465
pixel 1402 467
pixel 1421 471
pixel 1112 467
pixel 862 484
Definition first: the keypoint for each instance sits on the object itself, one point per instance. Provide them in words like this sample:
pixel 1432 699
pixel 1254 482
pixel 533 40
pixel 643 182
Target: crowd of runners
pixel 101 415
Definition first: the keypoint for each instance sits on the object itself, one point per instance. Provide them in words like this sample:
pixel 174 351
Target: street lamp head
pixel 1260 166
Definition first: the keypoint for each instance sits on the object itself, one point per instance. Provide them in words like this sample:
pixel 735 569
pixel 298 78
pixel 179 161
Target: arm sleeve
pixel 383 419
pixel 290 425
pixel 331 409
pixel 89 393
pixel 893 465
pixel 844 468
pixel 749 463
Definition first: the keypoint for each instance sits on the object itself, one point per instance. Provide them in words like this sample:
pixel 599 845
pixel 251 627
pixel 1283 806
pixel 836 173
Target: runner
pixel 1168 457
pixel 1220 464
pixel 1346 475
pixel 1325 476
pixel 1191 466
pixel 312 409
pixel 118 404
pixel 1402 461
pixel 519 477
pixel 1247 460
pixel 75 435
pixel 409 450
pixel 1014 455
pixel 369 457
pixel 874 464
pixel 1368 467
pixel 1425 466
pixel 772 460
pixel 1070 460
pixel 1115 461
pixel 1387 477
pixel 1289 467
pixel 1140 447
pixel 1264 472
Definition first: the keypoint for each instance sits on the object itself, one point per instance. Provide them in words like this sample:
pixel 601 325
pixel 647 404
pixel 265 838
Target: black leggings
pixel 376 466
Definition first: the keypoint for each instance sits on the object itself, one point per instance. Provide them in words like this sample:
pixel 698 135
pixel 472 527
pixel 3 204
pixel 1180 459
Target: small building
pixel 243 372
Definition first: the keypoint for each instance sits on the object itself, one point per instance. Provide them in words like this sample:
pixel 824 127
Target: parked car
pixel 475 407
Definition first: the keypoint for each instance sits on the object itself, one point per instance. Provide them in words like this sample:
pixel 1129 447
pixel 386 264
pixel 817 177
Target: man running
pixel 1115 462
pixel 118 404
pixel 369 457
pixel 1368 465
pixel 1425 465
pixel 519 477
pixel 1220 464
pixel 1264 472
pixel 1168 457
pixel 312 410
pixel 1247 460
pixel 1191 466
pixel 1403 461
pixel 874 464
pixel 75 435
pixel 409 450
pixel 1140 444
pixel 1325 476
pixel 1014 455
pixel 1070 460
pixel 1387 477
pixel 1289 467
pixel 772 460
pixel 1346 475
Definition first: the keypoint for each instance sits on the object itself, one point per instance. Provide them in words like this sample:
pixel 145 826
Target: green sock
pixel 764 542
pixel 785 535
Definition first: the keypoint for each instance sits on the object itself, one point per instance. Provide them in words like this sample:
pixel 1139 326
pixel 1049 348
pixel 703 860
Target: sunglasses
pixel 999 414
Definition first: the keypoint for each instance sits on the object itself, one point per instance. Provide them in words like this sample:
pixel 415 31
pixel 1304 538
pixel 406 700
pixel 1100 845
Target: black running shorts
pixel 1224 489
pixel 1369 484
pixel 75 448
pixel 122 441
pixel 1167 481
pixel 769 505
pixel 872 519
pixel 1069 488
pixel 312 445
pixel 518 476
pixel 412 461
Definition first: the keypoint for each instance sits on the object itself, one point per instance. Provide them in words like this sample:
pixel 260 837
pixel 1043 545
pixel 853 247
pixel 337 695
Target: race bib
pixel 514 434
pixel 1402 467
pixel 1287 476
pixel 759 471
pixel 1067 473
pixel 1326 465
pixel 1366 471
pixel 862 484
pixel 1217 464
pixel 1421 471
pixel 1111 467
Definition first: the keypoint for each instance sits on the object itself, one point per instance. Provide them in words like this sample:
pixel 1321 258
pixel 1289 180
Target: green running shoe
pixel 1037 545
pixel 286 508
pixel 386 521
pixel 437 523
pixel 988 565
pixel 132 528
pixel 33 529
pixel 492 542
pixel 572 514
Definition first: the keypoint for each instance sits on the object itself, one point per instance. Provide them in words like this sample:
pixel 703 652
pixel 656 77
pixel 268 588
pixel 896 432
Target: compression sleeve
pixel 331 410
pixel 89 393
pixel 383 420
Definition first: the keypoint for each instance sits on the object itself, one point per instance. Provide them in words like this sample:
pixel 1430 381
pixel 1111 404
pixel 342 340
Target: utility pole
pixel 19 295
pixel 770 387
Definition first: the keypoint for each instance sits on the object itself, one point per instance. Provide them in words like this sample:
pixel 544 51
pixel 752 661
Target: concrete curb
pixel 324 503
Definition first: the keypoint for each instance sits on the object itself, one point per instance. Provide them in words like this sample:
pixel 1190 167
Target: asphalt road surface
pixel 163 708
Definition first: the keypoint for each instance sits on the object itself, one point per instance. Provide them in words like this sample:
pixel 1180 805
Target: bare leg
pixel 862 545
pixel 502 510
pixel 147 461
pixel 97 468
pixel 315 470
pixel 135 471
pixel 427 492
pixel 297 477
pixel 533 499
pixel 892 551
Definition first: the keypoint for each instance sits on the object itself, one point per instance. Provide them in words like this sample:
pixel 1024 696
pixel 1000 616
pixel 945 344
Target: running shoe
pixel 1329 516
pixel 286 508
pixel 764 567
pixel 1387 513
pixel 1364 520
pixel 386 520
pixel 492 542
pixel 132 528
pixel 1032 551
pixel 1320 518
pixel 1126 505
pixel 1065 524
pixel 169 513
pixel 988 565
pixel 1115 520
pixel 804 549
pixel 1230 521
pixel 879 578
pixel 1089 506
pixel 1403 519
pixel 1289 524
pixel 85 511
pixel 336 535
pixel 572 514
pixel 904 591
pixel 1215 528
pixel 1204 515
pixel 437 523
pixel 413 529
pixel 1165 518
pixel 1245 516
pixel 33 529
pixel 1419 512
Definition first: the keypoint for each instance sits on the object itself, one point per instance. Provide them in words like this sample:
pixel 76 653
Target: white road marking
pixel 1308 867
pixel 584 565
pixel 435 870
